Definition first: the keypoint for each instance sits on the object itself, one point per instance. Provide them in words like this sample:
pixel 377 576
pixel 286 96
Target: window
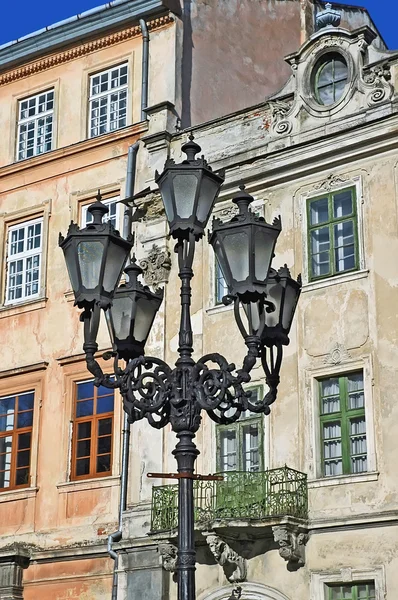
pixel 108 100
pixel 221 288
pixel 330 79
pixel 343 426
pixel 92 431
pixel 332 234
pixel 24 261
pixel 350 591
pixel 35 125
pixel 240 446
pixel 113 215
pixel 16 420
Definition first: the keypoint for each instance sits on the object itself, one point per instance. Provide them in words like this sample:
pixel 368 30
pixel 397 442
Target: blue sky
pixel 20 17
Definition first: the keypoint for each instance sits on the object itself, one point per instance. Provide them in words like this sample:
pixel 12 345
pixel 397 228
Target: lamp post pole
pixel 264 304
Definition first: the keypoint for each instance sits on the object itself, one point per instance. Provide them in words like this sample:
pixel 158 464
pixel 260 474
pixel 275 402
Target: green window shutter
pixel 240 446
pixel 332 234
pixel 342 425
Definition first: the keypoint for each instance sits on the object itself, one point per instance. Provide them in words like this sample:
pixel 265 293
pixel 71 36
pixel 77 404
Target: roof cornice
pixel 93 23
pixel 59 58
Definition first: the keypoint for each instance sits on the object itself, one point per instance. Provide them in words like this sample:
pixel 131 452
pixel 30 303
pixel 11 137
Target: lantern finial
pixel 98 210
pixel 191 148
pixel 242 200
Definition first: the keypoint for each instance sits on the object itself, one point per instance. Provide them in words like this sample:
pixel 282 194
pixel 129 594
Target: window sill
pixel 70 296
pixel 337 279
pixel 219 308
pixel 88 484
pixel 21 494
pixel 9 310
pixel 343 479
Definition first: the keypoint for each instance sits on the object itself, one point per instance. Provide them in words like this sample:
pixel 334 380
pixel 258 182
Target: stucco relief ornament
pixel 279 111
pixel 377 83
pixel 330 182
pixel 291 544
pixel 337 355
pixel 235 567
pixel 156 266
pixel 168 552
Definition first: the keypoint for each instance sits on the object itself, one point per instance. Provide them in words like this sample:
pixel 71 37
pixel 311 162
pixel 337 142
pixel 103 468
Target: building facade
pixel 308 508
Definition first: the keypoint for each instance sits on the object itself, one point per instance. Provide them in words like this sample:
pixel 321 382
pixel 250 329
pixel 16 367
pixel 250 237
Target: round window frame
pixel 309 75
pixel 320 64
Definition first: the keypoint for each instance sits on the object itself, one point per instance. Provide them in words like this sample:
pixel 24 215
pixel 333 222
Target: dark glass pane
pixel 104 445
pixel 22 476
pixel 82 466
pixel 326 95
pixel 342 204
pixel 5 479
pixel 25 419
pixel 24 441
pixel 5 446
pixel 104 404
pixel 325 74
pixel 84 409
pixel 105 426
pixel 83 430
pixel 7 405
pixel 23 458
pixel 104 391
pixel 104 463
pixel 83 448
pixel 319 211
pixel 85 390
pixel 25 401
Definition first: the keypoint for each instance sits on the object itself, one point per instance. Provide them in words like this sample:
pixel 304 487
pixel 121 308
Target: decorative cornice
pixel 82 50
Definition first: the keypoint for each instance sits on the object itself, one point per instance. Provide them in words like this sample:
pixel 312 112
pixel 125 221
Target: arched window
pixel 250 591
pixel 330 78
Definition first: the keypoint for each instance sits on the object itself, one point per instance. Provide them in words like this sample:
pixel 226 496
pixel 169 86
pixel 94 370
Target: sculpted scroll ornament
pixel 235 567
pixel 337 355
pixel 291 544
pixel 156 266
pixel 376 82
pixel 279 110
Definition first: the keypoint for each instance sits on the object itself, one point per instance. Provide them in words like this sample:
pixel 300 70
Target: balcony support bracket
pixel 291 540
pixel 234 566
pixel 168 552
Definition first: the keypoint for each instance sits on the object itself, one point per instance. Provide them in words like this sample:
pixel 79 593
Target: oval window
pixel 331 75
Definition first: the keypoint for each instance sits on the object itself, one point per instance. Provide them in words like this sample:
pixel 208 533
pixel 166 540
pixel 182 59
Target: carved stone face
pixel 215 545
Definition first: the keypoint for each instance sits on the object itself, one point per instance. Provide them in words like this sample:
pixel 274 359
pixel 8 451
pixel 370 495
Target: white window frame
pixel 320 581
pixel 345 368
pixel 309 285
pixel 93 97
pixel 34 119
pixel 24 256
pixel 115 200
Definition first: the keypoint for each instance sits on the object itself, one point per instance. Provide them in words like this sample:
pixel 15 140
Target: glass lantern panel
pixel 121 317
pixel 90 255
pixel 167 197
pixel 185 186
pixel 236 247
pixel 144 316
pixel 264 243
pixel 70 259
pixel 222 262
pixel 115 260
pixel 289 306
pixel 274 295
pixel 207 195
pixel 252 310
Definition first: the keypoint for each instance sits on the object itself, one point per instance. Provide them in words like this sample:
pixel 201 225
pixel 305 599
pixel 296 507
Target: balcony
pixel 243 496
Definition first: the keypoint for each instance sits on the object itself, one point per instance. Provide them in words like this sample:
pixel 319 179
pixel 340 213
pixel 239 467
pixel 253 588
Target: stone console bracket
pixel 292 540
pixel 235 566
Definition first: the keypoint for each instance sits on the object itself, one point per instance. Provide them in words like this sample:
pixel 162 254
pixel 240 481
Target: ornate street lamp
pixel 177 395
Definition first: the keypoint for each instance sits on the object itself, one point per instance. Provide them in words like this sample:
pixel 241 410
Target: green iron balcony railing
pixel 243 495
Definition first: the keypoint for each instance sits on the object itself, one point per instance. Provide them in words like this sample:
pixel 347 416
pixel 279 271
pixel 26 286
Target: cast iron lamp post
pixel 264 304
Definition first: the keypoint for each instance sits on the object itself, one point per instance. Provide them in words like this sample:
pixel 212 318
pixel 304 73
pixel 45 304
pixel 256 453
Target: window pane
pixel 25 419
pixel 24 440
pixel 104 445
pixel 356 398
pixel 344 246
pixel 83 448
pixel 84 408
pixel 104 463
pixel 25 401
pixel 251 447
pixel 22 476
pixel 23 458
pixel 320 246
pixel 83 430
pixel 330 392
pixel 333 463
pixel 105 404
pixel 358 447
pixel 342 204
pixel 85 390
pixel 104 426
pixel 319 211
pixel 228 450
pixel 5 447
pixel 82 466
